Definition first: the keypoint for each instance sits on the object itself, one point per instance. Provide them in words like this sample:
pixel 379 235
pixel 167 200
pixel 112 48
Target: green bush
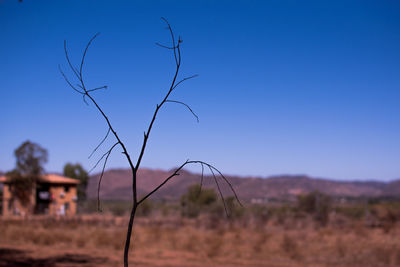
pixel 197 199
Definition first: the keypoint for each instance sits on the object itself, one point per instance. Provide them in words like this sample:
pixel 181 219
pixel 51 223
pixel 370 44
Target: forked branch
pixel 202 163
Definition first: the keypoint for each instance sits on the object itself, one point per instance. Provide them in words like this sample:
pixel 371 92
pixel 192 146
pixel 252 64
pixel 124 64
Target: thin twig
pixel 219 190
pixel 178 63
pixel 69 61
pixel 105 154
pixel 98 88
pixel 175 173
pixel 84 53
pixel 173 40
pixel 229 184
pixel 185 79
pixel 201 179
pixel 101 142
pixel 68 82
pixel 164 46
pixel 84 99
pixel 101 176
pixel 179 102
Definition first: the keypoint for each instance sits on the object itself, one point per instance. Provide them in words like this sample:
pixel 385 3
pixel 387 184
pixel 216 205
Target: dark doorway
pixel 43 199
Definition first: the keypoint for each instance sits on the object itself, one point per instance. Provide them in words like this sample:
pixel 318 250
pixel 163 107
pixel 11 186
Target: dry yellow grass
pixel 98 241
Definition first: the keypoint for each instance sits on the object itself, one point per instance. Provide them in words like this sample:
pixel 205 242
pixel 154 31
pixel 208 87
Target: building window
pixel 66 189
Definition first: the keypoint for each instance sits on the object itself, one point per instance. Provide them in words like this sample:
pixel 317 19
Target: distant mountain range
pixel 116 184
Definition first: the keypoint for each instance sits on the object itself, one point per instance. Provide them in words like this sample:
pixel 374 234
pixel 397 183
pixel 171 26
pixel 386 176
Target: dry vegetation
pixel 282 238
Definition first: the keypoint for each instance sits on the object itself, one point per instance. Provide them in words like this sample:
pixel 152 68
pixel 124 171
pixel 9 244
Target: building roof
pixel 49 178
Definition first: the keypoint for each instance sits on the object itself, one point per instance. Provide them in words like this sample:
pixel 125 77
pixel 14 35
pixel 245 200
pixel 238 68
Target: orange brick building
pixel 52 194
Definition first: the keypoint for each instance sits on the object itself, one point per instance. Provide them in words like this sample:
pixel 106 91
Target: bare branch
pixel 68 82
pixel 102 141
pixel 105 154
pixel 229 184
pixel 98 88
pixel 185 79
pixel 147 134
pixel 219 190
pixel 175 173
pixel 202 163
pixel 174 101
pixel 84 54
pixel 85 94
pixel 172 86
pixel 201 179
pixel 101 176
pixel 167 47
pixel 179 52
pixel 84 99
pixel 220 173
pixel 69 61
pixel 173 40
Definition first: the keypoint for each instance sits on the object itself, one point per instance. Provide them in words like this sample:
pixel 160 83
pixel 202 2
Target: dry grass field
pixel 95 240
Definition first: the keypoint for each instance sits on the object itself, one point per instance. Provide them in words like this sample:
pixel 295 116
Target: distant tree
pixel 76 171
pixel 30 158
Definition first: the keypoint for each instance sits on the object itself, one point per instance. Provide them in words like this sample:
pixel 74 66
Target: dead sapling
pixel 87 96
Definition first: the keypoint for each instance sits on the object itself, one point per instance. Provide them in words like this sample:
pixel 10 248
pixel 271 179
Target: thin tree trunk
pixel 128 235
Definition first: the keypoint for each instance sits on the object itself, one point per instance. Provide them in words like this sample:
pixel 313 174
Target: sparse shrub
pixel 118 210
pixel 234 209
pixel 351 211
pixel 260 212
pixel 281 213
pixel 197 199
pixel 317 204
pixel 87 207
pixel 389 220
pixel 191 210
pixel 165 210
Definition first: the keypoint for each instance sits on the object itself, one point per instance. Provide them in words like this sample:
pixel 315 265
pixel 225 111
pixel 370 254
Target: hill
pixel 116 185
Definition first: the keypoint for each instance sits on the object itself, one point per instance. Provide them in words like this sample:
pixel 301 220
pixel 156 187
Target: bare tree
pixel 86 93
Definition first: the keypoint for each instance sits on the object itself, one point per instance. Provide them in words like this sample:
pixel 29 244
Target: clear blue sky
pixel 284 87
